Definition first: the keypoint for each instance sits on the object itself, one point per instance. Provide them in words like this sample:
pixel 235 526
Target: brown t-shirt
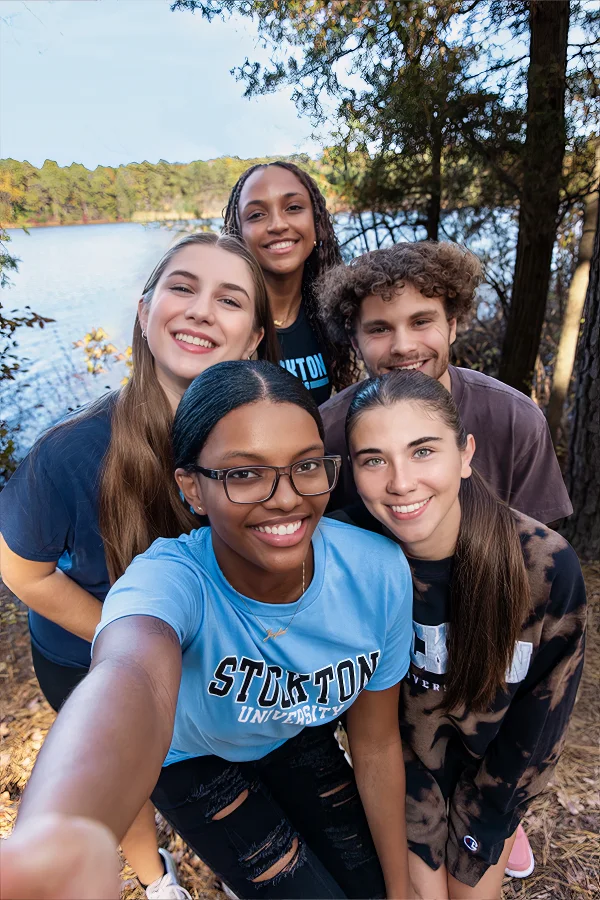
pixel 514 450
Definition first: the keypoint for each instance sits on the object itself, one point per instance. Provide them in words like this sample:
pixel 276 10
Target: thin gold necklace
pixel 279 323
pixel 280 631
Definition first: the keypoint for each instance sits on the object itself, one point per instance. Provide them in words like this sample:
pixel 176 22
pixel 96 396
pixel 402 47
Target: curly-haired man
pixel 399 308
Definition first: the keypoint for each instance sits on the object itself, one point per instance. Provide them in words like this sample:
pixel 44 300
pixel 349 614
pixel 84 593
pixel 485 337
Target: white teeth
pixel 279 529
pixel 281 245
pixel 413 366
pixel 412 507
pixel 198 342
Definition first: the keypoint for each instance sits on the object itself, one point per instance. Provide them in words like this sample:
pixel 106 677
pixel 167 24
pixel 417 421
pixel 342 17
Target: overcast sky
pixel 104 82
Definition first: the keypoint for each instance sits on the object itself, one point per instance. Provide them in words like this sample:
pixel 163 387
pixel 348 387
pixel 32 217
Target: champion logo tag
pixel 470 843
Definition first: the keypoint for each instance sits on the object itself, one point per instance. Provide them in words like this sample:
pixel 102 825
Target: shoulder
pixel 552 565
pixel 362 551
pixel 171 568
pixel 189 551
pixel 468 383
pixel 336 407
pixel 84 434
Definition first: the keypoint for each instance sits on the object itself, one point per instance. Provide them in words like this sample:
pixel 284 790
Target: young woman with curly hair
pixel 279 212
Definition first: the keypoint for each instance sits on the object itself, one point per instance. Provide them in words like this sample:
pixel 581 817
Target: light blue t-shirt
pixel 241 696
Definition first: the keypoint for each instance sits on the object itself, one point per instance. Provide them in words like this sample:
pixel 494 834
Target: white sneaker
pixel 228 892
pixel 167 887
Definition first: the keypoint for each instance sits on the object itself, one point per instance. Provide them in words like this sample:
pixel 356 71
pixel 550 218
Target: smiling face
pixel 408 471
pixel 202 312
pixel 276 220
pixel 409 331
pixel 248 538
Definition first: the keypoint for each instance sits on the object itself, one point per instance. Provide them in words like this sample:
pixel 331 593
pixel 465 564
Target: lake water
pixel 84 277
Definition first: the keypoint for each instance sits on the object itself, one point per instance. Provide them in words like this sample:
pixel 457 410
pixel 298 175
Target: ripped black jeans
pixel 300 831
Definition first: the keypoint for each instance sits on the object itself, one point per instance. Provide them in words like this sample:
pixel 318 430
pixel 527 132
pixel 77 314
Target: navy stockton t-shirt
pixel 303 357
pixel 49 512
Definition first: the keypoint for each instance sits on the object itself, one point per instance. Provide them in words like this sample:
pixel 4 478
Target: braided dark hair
pixel 340 359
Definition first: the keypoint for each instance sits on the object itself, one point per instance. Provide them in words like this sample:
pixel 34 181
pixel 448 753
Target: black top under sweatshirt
pixel 471 775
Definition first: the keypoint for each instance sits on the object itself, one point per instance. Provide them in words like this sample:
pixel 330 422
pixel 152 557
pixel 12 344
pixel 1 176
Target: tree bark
pixel 582 529
pixel 538 209
pixel 567 345
pixel 434 204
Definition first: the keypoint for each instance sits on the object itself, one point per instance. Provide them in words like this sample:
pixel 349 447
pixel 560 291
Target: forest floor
pixel 563 824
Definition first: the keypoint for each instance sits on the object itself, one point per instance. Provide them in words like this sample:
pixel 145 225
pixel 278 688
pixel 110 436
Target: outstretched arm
pixel 103 755
pixel 376 749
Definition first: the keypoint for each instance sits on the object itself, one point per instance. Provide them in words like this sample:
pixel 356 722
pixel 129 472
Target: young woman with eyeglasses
pixel 98 489
pixel 233 651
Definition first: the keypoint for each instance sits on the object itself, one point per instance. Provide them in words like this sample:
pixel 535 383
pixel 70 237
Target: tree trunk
pixel 538 208
pixel 583 472
pixel 434 204
pixel 567 345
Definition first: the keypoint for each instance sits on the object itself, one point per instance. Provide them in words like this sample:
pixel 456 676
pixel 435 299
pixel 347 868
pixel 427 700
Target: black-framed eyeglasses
pixel 255 484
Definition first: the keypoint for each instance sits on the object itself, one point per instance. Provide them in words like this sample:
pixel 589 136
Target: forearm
pixel 60 599
pixel 103 755
pixel 380 778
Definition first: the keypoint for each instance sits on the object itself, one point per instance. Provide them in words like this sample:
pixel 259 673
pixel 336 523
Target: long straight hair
pixel 489 593
pixel 341 360
pixel 139 498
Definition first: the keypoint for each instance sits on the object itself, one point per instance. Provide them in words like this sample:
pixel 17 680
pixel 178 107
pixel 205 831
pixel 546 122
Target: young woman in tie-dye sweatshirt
pixel 499 621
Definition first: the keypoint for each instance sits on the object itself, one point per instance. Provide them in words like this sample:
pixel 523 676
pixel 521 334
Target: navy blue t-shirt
pixel 49 512
pixel 302 355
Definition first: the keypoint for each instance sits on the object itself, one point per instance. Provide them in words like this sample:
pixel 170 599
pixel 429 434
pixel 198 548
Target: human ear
pixel 188 485
pixel 467 456
pixel 253 343
pixel 452 335
pixel 355 346
pixel 143 314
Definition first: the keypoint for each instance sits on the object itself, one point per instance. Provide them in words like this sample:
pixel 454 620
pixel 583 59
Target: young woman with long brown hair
pixel 498 618
pixel 280 213
pixel 98 489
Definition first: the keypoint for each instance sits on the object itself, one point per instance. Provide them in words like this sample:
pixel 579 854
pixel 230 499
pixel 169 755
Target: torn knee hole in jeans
pixel 354 849
pixel 231 807
pixel 223 794
pixel 275 856
pixel 340 795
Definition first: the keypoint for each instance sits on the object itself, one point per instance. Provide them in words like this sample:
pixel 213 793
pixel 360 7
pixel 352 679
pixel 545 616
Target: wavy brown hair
pixel 490 595
pixel 139 498
pixel 326 255
pixel 445 270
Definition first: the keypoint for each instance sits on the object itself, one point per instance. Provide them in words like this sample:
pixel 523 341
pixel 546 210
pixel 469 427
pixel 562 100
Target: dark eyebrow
pixel 370 322
pixel 423 440
pixel 261 459
pixel 425 312
pixel 285 197
pixel 368 450
pixel 415 443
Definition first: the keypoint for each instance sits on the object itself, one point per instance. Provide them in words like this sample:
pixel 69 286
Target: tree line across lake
pixel 66 195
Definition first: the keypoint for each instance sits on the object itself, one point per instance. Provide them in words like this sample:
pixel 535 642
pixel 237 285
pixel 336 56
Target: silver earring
pixel 315 243
pixel 144 334
pixel 199 508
